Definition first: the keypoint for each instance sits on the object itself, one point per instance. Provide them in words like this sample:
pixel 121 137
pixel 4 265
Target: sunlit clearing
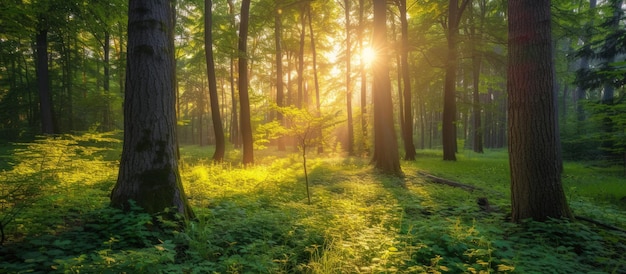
pixel 368 55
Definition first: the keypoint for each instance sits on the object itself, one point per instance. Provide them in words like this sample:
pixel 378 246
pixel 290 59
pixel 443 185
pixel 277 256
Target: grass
pixel 257 220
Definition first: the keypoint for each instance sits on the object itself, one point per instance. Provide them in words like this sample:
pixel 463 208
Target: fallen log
pixel 598 223
pixel 439 180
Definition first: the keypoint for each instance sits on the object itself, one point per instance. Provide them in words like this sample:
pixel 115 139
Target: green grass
pixel 257 220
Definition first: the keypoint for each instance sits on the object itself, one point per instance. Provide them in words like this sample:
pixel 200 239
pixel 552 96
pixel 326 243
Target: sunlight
pixel 368 55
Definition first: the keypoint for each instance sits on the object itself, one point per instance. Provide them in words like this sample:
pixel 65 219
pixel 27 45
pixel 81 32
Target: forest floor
pixel 54 196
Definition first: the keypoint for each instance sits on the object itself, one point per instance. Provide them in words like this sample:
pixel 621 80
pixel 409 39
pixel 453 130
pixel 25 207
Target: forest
pixel 302 136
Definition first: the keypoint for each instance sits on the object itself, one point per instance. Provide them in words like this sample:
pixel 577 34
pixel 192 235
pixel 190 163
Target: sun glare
pixel 368 55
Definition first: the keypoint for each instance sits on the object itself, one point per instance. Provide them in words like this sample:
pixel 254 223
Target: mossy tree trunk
pixel 148 171
pixel 536 189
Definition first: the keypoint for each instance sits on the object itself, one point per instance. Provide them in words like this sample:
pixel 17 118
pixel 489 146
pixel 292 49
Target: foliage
pixel 255 220
pixel 51 170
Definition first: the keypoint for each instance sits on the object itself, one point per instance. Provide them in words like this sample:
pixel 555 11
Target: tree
pixel 448 133
pixel 43 77
pixel 350 145
pixel 536 189
pixel 220 142
pixel 148 172
pixel 244 101
pixel 474 40
pixel 280 93
pixel 363 77
pixel 407 125
pixel 386 156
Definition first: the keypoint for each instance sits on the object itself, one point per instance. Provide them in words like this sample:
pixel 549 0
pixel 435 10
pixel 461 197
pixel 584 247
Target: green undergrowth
pixel 258 220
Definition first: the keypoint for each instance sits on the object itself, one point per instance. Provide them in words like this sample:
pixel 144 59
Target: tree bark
pixel 409 146
pixel 475 39
pixel 318 106
pixel 300 103
pixel 43 80
pixel 386 157
pixel 218 128
pixel 235 136
pixel 148 171
pixel 350 145
pixel 280 90
pixel 244 100
pixel 536 188
pixel 448 127
pixel 363 73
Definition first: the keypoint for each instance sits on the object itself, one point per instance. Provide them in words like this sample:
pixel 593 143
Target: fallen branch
pixel 598 223
pixel 439 180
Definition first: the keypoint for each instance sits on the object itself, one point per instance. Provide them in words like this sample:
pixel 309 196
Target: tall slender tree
pixel 318 105
pixel 476 33
pixel 280 86
pixel 350 145
pixel 218 128
pixel 448 126
pixel 148 172
pixel 536 188
pixel 407 125
pixel 244 100
pixel 363 75
pixel 386 157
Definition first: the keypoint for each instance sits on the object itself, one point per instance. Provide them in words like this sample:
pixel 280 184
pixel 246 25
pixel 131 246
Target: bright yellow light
pixel 368 55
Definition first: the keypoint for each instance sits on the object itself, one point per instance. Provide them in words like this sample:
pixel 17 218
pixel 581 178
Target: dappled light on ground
pixel 258 220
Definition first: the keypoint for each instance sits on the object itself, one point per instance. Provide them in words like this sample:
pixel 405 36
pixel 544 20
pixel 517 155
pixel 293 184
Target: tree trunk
pixel 475 39
pixel 318 106
pixel 218 128
pixel 244 101
pixel 280 93
pixel 448 130
pixel 235 136
pixel 148 171
pixel 536 189
pixel 409 146
pixel 581 92
pixel 386 157
pixel 43 81
pixel 363 73
pixel 350 145
pixel 107 120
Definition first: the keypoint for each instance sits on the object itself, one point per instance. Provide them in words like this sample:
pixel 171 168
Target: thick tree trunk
pixel 218 128
pixel 244 100
pixel 536 189
pixel 386 156
pixel 43 82
pixel 148 171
